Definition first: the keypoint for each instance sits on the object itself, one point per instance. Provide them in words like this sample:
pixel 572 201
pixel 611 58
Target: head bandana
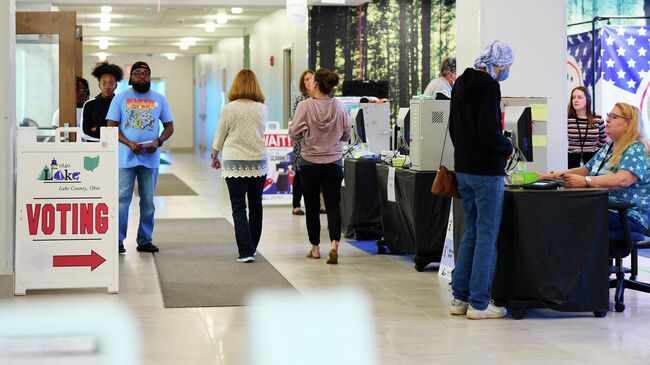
pixel 496 54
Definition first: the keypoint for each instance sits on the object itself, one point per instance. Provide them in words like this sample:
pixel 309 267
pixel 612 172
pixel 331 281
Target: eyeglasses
pixel 615 116
pixel 141 74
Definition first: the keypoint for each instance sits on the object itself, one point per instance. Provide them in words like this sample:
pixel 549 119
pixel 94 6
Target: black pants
pixel 574 158
pixel 247 230
pixel 297 189
pixel 326 178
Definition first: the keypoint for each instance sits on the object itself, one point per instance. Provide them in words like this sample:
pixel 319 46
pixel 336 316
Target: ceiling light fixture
pixel 236 10
pixel 105 27
pixel 105 18
pixel 222 18
pixel 190 41
pixel 106 9
pixel 209 26
pixel 103 43
pixel 170 56
pixel 183 46
pixel 102 56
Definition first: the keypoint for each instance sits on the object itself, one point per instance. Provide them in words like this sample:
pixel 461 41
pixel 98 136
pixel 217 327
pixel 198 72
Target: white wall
pixel 179 90
pixel 536 30
pixel 226 59
pixel 268 37
pixel 7 132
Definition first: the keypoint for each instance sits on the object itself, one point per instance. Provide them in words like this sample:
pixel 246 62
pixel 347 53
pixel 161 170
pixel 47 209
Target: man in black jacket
pixel 480 155
pixel 94 112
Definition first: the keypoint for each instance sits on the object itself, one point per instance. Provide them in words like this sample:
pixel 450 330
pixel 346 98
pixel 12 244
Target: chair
pixel 621 244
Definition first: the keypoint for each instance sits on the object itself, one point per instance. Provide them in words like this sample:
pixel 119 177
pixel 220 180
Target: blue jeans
pixel 482 203
pixel 247 230
pixel 146 185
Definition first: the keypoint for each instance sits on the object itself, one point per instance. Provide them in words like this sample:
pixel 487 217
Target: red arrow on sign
pixel 93 260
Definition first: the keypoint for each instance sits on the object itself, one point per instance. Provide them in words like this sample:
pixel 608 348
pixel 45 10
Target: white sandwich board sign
pixel 66 212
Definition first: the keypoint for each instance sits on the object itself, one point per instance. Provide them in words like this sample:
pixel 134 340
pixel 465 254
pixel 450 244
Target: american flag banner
pixel 626 56
pixel 625 68
pixel 580 59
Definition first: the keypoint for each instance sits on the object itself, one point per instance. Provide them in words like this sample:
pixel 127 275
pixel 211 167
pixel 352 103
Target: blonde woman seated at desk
pixel 621 165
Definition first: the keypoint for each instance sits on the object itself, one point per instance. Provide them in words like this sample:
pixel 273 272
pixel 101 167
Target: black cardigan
pixel 94 115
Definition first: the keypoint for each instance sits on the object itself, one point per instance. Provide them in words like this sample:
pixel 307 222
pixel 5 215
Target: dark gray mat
pixel 197 265
pixel 170 184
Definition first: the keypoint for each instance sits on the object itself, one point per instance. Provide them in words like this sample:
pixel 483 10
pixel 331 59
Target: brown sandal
pixel 309 255
pixel 333 257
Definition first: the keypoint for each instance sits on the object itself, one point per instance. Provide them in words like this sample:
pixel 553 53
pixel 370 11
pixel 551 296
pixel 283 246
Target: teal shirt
pixel 635 161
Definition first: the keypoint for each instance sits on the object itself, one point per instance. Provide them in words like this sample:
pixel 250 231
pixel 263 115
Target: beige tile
pixel 412 324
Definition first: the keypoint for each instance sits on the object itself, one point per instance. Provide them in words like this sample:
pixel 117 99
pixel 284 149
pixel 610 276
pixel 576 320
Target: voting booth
pixel 66 212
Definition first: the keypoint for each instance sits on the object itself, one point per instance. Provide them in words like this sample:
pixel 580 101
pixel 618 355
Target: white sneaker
pixel 491 312
pixel 458 306
pixel 246 260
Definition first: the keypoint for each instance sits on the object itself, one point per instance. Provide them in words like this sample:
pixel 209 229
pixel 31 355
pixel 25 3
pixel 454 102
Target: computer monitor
pixel 518 125
pixel 377 89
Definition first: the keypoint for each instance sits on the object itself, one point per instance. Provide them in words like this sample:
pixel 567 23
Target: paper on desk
pixel 390 186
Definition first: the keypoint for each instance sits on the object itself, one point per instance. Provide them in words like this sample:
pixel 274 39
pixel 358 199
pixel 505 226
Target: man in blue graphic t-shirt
pixel 136 112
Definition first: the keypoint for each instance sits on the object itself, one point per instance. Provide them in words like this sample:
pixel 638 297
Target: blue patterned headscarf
pixel 495 54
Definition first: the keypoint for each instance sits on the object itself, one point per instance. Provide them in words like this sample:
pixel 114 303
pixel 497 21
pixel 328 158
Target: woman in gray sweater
pixel 325 124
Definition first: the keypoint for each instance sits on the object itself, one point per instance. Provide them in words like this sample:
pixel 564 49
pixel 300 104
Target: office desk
pixel 416 222
pixel 553 251
pixel 359 206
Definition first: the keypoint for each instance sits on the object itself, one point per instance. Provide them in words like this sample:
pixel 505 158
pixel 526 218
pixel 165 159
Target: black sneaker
pixel 149 247
pixel 121 249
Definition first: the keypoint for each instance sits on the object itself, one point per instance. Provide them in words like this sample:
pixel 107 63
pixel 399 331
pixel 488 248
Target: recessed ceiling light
pixel 236 10
pixel 209 26
pixel 190 41
pixel 103 43
pixel 183 46
pixel 106 9
pixel 105 18
pixel 105 27
pixel 102 56
pixel 222 18
pixel 171 56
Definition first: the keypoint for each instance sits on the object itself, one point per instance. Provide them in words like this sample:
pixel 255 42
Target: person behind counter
pixel 305 81
pixel 586 131
pixel 622 165
pixel 446 80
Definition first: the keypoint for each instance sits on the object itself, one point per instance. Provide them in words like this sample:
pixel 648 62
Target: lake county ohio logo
pixel 63 172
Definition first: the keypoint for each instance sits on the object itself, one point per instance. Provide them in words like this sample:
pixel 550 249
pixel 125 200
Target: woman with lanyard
pixel 622 166
pixel 586 131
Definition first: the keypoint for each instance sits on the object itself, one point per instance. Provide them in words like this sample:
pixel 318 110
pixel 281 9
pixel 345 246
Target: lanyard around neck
pixel 605 159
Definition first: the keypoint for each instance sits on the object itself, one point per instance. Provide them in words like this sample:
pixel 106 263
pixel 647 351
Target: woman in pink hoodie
pixel 325 124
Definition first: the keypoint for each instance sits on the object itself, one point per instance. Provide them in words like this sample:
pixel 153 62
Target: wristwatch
pixel 588 180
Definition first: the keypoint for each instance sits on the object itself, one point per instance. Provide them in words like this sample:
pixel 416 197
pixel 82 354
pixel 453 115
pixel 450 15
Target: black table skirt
pixel 553 250
pixel 417 221
pixel 359 206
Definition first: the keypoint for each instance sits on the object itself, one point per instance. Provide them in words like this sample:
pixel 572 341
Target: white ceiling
pixel 159 26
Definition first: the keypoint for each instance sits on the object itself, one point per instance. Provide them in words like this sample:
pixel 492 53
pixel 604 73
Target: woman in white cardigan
pixel 243 164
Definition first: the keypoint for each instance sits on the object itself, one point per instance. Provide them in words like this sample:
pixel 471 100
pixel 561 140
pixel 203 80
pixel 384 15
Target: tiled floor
pixel 410 308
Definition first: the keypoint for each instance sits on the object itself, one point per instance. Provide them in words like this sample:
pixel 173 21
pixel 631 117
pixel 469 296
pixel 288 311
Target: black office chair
pixel 621 244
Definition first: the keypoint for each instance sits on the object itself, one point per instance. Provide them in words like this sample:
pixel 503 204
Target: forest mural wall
pixel 402 42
